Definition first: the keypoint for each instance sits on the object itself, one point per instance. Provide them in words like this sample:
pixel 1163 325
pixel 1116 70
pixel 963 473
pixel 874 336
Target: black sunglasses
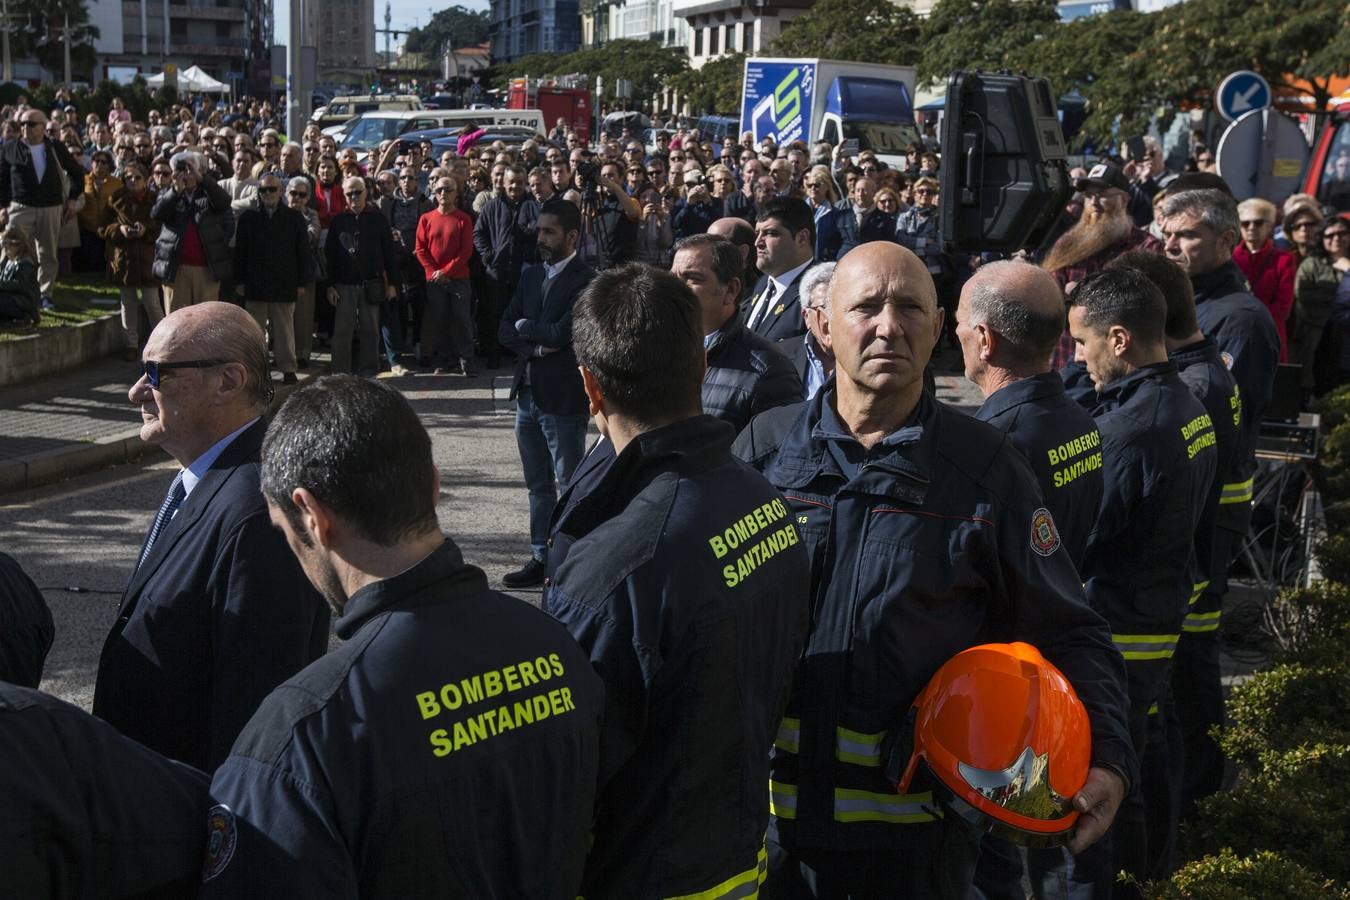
pixel 152 370
pixel 268 190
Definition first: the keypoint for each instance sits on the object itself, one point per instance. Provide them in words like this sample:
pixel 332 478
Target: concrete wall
pixel 58 349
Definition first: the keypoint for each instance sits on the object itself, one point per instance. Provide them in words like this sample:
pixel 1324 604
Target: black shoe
pixel 465 369
pixel 530 575
pixel 289 378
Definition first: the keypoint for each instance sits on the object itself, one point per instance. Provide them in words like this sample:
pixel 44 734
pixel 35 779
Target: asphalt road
pixel 86 532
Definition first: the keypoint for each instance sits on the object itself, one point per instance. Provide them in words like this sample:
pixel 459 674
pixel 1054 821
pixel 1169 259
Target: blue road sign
pixel 1241 93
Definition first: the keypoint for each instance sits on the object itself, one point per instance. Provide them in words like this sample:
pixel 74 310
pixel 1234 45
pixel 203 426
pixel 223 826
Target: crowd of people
pixel 749 579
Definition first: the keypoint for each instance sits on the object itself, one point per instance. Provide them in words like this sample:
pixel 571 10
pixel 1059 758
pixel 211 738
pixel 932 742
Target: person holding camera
pixel 698 209
pixel 609 215
pixel 363 273
pixel 130 234
pixel 192 254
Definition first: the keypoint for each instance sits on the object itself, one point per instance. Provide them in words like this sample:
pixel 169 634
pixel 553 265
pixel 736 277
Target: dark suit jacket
pixel 836 234
pixel 554 380
pixel 784 318
pixel 219 614
pixel 796 354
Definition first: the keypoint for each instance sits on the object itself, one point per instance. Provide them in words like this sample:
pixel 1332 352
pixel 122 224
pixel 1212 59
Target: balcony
pixel 155 11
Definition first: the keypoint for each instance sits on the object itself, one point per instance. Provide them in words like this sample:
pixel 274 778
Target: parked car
pixel 340 109
pixel 443 139
pixel 371 129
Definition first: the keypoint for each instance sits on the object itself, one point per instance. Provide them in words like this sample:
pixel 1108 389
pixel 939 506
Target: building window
pixel 698 41
pixel 731 38
pixel 714 33
pixel 222 29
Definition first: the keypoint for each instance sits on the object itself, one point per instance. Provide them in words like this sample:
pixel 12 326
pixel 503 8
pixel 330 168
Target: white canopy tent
pixel 192 79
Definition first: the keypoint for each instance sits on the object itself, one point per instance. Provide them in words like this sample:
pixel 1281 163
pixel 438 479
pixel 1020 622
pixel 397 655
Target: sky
pixel 403 14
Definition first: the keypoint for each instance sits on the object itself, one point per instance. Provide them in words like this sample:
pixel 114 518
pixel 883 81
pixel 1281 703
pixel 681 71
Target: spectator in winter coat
pixel 272 259
pixel 1268 269
pixel 192 255
pixel 130 232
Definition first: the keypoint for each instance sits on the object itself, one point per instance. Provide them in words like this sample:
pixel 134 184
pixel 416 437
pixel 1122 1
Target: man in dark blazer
pixel 218 611
pixel 551 417
pixel 785 240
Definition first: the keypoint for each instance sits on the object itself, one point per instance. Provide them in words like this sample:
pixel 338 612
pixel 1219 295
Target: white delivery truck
pixel 826 100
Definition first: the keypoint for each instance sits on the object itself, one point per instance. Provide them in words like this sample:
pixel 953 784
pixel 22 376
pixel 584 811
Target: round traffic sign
pixel 1240 93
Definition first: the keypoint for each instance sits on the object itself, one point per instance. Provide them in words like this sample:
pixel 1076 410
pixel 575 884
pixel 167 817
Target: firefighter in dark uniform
pixel 927 535
pixel 687 583
pixel 450 745
pixel 1008 320
pixel 1159 452
pixel 1201 229
pixel 87 812
pixel 1197 692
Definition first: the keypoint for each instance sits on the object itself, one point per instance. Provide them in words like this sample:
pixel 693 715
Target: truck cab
pixel 877 112
pixel 1327 176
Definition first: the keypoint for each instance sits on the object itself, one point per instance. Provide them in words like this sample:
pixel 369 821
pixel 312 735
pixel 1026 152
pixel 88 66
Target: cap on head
pixel 1105 174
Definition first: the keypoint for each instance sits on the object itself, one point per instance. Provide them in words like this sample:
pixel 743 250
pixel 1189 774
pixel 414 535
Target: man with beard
pixel 1104 232
pixel 550 401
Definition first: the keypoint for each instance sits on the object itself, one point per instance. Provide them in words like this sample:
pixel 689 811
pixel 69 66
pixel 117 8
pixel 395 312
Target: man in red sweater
pixel 444 245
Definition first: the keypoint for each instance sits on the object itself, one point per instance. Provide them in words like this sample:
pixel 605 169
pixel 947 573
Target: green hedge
pixel 1285 708
pixel 1294 804
pixel 1261 876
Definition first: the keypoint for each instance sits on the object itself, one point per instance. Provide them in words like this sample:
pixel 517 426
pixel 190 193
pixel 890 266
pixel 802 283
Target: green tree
pixel 1194 44
pixel 981 34
pixel 645 64
pixel 1084 55
pixel 875 31
pixel 715 88
pixel 455 26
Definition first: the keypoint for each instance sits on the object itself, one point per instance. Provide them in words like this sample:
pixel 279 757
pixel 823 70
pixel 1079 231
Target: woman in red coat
pixel 1269 270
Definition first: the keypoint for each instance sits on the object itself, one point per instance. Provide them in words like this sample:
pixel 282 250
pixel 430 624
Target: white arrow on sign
pixel 1243 100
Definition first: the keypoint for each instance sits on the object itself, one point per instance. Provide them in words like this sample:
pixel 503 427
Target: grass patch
pixel 76 298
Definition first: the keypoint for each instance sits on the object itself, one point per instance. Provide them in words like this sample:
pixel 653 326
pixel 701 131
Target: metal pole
pixel 167 46
pixel 294 75
pixel 145 31
pixel 65 36
pixel 8 66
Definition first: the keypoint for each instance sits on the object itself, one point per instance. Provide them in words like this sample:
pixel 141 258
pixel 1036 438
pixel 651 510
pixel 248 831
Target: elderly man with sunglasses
pixel 34 194
pixel 217 612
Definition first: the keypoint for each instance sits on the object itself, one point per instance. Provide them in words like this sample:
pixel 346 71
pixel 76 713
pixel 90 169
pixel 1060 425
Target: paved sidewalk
pixel 66 425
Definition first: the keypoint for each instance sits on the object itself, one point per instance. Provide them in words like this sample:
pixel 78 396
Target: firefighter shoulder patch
pixel 221 837
pixel 1044 536
pixel 1227 359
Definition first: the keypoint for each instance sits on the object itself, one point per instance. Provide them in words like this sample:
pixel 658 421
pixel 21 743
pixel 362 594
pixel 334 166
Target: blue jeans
pixel 550 447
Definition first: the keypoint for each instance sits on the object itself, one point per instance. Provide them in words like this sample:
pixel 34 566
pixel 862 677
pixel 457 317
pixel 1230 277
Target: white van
pixel 367 131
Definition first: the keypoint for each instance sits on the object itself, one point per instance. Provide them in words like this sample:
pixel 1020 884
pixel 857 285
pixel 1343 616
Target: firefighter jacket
pixel 1060 440
pixel 1159 458
pixel 1242 329
pixel 447 748
pixel 932 542
pixel 1202 369
pixel 687 584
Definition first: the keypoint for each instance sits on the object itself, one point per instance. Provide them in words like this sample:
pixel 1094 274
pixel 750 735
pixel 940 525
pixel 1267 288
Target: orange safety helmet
pixel 1005 732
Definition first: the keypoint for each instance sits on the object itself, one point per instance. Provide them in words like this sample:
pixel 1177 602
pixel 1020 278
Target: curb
pixel 60 463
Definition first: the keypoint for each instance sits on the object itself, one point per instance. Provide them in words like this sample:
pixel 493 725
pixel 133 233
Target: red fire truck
pixel 567 98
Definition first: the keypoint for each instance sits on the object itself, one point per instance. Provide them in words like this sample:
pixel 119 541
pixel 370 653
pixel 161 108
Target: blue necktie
pixel 165 514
